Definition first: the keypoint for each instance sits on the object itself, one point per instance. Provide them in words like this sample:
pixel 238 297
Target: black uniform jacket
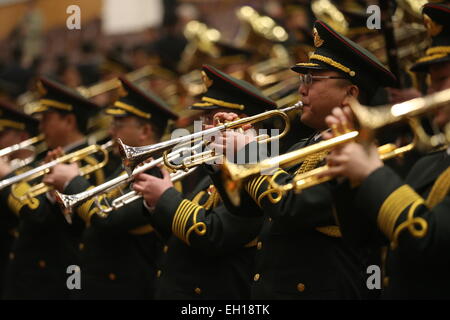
pixel 301 254
pixel 412 218
pixel 117 249
pixel 45 244
pixel 209 252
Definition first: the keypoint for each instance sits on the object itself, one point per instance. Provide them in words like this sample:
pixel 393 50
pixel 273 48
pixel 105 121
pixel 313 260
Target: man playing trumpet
pixel 302 254
pixel 15 127
pixel 45 243
pixel 118 250
pixel 410 216
pixel 209 251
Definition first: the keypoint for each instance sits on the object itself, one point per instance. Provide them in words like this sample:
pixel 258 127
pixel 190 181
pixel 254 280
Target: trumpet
pixel 28 144
pixel 234 175
pixel 259 32
pixel 134 76
pixel 37 172
pixel 69 202
pixel 22 145
pixel 369 120
pixel 132 156
pixel 133 195
pixel 311 178
pixel 113 84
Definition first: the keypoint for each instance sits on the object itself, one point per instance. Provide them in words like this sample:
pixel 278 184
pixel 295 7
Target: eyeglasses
pixel 307 79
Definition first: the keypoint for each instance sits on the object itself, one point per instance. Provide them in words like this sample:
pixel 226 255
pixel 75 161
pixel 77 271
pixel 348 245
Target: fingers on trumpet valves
pixel 54 154
pixel 224 117
pixel 340 121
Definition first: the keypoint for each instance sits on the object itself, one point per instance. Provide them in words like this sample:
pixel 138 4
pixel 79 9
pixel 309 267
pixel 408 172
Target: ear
pixel 147 133
pixel 71 120
pixel 352 92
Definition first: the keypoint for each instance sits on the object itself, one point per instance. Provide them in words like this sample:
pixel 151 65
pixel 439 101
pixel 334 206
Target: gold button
pixel 16 234
pixel 270 219
pixel 11 256
pixel 81 246
pixel 158 274
pixel 301 287
pixel 42 264
pixel 256 277
pixel 259 245
pixel 165 249
pixel 112 276
pixel 198 290
pixel 385 282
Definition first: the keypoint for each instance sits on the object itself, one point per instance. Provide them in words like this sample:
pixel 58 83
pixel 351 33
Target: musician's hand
pixel 340 121
pixel 224 117
pixel 53 154
pixel 5 168
pixel 61 174
pixel 353 161
pixel 230 142
pixel 151 187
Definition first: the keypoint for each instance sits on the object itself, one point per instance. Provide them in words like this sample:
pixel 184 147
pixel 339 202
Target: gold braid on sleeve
pixel 393 207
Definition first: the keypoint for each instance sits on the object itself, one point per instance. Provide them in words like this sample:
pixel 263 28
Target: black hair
pixel 158 130
pixel 364 97
pixel 81 121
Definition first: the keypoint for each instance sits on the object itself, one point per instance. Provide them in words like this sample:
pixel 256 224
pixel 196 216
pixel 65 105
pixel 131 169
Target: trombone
pixel 40 171
pixel 132 156
pixel 70 201
pixel 369 120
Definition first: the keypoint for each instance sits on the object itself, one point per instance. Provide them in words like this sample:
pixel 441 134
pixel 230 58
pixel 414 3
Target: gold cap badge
pixel 206 80
pixel 41 89
pixel 317 40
